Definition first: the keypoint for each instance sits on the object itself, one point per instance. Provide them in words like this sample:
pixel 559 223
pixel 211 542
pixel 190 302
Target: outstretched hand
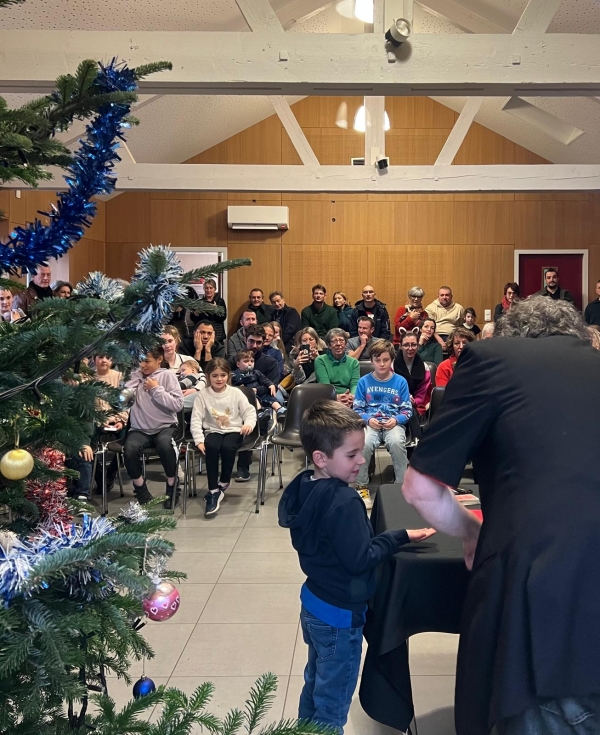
pixel 420 534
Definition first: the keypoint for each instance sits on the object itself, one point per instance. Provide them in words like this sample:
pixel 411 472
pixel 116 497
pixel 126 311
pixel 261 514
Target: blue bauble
pixel 142 687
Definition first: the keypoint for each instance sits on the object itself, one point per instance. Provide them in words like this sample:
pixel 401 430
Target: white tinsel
pixel 99 286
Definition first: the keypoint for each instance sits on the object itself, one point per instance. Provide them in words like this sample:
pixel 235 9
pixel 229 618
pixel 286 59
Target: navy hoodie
pixel 334 539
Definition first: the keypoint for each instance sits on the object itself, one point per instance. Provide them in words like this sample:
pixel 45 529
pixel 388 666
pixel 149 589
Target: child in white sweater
pixel 221 417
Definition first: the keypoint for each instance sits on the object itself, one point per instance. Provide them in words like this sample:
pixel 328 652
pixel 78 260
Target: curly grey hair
pixel 541 316
pixel 335 332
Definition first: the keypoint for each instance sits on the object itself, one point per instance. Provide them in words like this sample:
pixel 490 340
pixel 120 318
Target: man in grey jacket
pixel 237 341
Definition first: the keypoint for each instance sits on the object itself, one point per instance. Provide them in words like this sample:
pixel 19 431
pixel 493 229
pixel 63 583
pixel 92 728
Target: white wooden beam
pixel 426 179
pixel 537 16
pixel 260 16
pixel 375 106
pixel 459 131
pixel 315 63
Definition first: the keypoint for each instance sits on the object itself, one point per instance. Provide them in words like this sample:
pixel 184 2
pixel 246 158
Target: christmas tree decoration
pixel 16 464
pixel 163 602
pixel 98 286
pixel 143 686
pixel 50 495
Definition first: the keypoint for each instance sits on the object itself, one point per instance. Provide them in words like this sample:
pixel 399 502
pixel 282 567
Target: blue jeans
pixel 331 673
pixel 570 716
pixel 395 442
pixel 80 486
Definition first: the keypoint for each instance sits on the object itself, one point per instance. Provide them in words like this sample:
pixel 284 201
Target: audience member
pixel 179 317
pixel 306 350
pixel 191 380
pixel 344 310
pixel 340 557
pixel 553 289
pixel 530 634
pixel 264 312
pixel 383 402
pixel 82 463
pixel 511 296
pixel 277 343
pixel 488 330
pixel 360 347
pixel 62 290
pixel 469 323
pixel 171 338
pixel 287 317
pixel 411 315
pixel 153 423
pixel 319 315
pixel 430 350
pixel 7 308
pixel 222 416
pixel 336 368
pixel 218 322
pixel 245 374
pixel 269 349
pixel 456 344
pixel 409 364
pixel 447 313
pixel 38 290
pixel 237 341
pixel 375 310
pixel 205 346
pixel 591 314
pixel 114 428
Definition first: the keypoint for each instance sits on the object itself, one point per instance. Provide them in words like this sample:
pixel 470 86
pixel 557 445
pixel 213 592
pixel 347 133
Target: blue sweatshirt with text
pixel 383 399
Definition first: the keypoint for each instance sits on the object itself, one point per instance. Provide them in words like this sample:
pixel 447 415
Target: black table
pixel 420 589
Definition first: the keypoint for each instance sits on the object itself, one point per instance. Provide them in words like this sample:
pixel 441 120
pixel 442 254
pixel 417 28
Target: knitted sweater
pixel 447 318
pixel 342 374
pixel 223 413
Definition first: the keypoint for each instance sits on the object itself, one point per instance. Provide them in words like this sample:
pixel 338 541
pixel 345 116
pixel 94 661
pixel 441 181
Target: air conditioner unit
pixel 258 218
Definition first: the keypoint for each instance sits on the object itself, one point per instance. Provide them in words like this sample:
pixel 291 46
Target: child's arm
pixel 168 396
pixel 248 414
pixel 135 379
pixel 405 407
pixel 198 411
pixel 360 404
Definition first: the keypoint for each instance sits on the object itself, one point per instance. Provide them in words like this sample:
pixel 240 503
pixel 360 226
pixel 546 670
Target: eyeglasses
pixel 339 341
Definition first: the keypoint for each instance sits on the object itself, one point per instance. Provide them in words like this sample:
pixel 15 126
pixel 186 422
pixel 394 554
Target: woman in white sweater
pixel 221 417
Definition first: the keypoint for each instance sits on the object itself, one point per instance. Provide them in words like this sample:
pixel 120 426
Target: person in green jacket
pixel 319 315
pixel 337 368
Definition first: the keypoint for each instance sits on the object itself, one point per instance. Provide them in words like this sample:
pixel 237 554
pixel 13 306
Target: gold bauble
pixel 16 464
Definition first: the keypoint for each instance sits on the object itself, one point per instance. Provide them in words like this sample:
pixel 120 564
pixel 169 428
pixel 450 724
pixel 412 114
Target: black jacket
pixel 334 539
pixel 266 365
pixel 381 319
pixel 592 312
pixel 289 320
pixel 563 294
pixel 263 312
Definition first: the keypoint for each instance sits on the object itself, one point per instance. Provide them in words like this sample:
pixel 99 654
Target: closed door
pixel 532 269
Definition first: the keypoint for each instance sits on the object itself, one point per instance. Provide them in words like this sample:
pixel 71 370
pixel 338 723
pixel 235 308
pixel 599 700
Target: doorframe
pixel 221 255
pixel 554 251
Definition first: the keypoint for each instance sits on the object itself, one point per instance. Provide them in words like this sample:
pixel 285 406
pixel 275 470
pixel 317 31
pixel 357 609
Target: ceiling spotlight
pixel 399 31
pixel 360 120
pixel 363 10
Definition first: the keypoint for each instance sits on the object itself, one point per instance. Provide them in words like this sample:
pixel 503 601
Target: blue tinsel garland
pixel 89 175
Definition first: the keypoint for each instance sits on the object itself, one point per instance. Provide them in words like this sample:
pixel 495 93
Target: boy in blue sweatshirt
pixel 382 400
pixel 338 553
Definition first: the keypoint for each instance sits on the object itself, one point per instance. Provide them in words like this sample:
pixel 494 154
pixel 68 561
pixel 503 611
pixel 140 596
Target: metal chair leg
pixel 186 481
pixel 193 474
pixel 104 492
pixel 94 465
pixel 120 479
pixel 279 451
pixel 262 471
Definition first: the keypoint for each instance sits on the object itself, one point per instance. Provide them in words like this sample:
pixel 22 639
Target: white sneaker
pixel 363 491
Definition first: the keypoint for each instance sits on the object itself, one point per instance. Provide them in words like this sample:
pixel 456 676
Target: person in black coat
pixel 288 318
pixel 592 310
pixel 211 297
pixel 524 407
pixel 264 313
pixel 376 310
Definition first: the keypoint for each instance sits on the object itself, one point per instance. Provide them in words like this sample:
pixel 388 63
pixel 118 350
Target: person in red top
pixel 411 315
pixel 455 346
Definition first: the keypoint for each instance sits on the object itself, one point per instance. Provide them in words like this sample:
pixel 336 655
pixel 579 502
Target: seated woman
pixel 307 347
pixel 62 290
pixel 511 294
pixel 409 364
pixel 337 368
pixel 212 297
pixel 456 343
pixel 429 349
pixel 411 315
pixel 171 338
pixel 344 310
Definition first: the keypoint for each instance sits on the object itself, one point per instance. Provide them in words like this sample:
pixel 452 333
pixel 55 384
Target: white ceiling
pixel 174 128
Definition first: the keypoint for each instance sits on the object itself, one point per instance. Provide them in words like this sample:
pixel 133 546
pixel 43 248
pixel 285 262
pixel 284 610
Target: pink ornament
pixel 163 602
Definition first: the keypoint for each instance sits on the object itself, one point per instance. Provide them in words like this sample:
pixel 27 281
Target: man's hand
pixel 150 383
pixel 201 447
pixel 245 430
pixel 374 424
pixel 210 344
pixel 346 398
pixel 86 453
pixel 470 545
pixel 272 390
pixel 420 534
pixel 198 341
pixel 389 424
pixel 364 338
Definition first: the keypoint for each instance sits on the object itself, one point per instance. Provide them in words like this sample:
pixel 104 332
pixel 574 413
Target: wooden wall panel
pixel 265 273
pixel 88 255
pixel 122 257
pixel 483 146
pixel 415 147
pixel 411 222
pixel 480 223
pixel 128 218
pixel 479 275
pixel 259 144
pixel 552 224
pixel 418 112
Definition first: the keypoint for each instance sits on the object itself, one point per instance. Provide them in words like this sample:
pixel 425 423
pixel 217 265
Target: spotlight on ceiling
pixel 399 31
pixel 360 120
pixel 363 10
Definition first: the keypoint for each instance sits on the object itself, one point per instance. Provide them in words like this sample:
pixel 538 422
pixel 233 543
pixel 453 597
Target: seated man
pixel 338 369
pixel 7 310
pixel 319 315
pixel 264 313
pixel 383 401
pixel 203 344
pixel 38 289
pixel 375 310
pixel 447 313
pixel 237 341
pixel 271 351
pixel 288 318
pixel 360 347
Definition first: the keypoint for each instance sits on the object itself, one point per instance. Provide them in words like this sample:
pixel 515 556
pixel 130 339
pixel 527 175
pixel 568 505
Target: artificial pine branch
pixel 260 700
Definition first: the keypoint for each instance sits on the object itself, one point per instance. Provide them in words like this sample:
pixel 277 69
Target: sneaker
pixel 281 412
pixel 171 491
pixel 223 486
pixel 242 475
pixel 83 498
pixel 363 491
pixel 142 494
pixel 213 501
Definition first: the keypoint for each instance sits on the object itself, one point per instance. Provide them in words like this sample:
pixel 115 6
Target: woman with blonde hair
pixel 307 347
pixel 344 310
pixel 171 338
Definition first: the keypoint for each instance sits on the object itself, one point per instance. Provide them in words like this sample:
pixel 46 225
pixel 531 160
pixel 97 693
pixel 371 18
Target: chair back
pixel 436 398
pixel 250 441
pixel 249 393
pixel 181 428
pixel 432 370
pixel 365 367
pixel 302 397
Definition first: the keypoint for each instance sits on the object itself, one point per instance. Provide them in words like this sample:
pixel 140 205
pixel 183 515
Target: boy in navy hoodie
pixel 338 553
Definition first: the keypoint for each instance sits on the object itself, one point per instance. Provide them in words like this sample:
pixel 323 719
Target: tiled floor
pixel 239 612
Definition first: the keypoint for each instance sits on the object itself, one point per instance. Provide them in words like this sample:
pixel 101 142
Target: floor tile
pixel 265 540
pixel 275 568
pixel 168 643
pixel 201 567
pixel 204 539
pixel 227 517
pixel 433 653
pixel 244 649
pixel 433 697
pixel 252 603
pixel 193 601
pixel 268 517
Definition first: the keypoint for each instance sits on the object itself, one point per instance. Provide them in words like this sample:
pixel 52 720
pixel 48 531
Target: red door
pixel 570 267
